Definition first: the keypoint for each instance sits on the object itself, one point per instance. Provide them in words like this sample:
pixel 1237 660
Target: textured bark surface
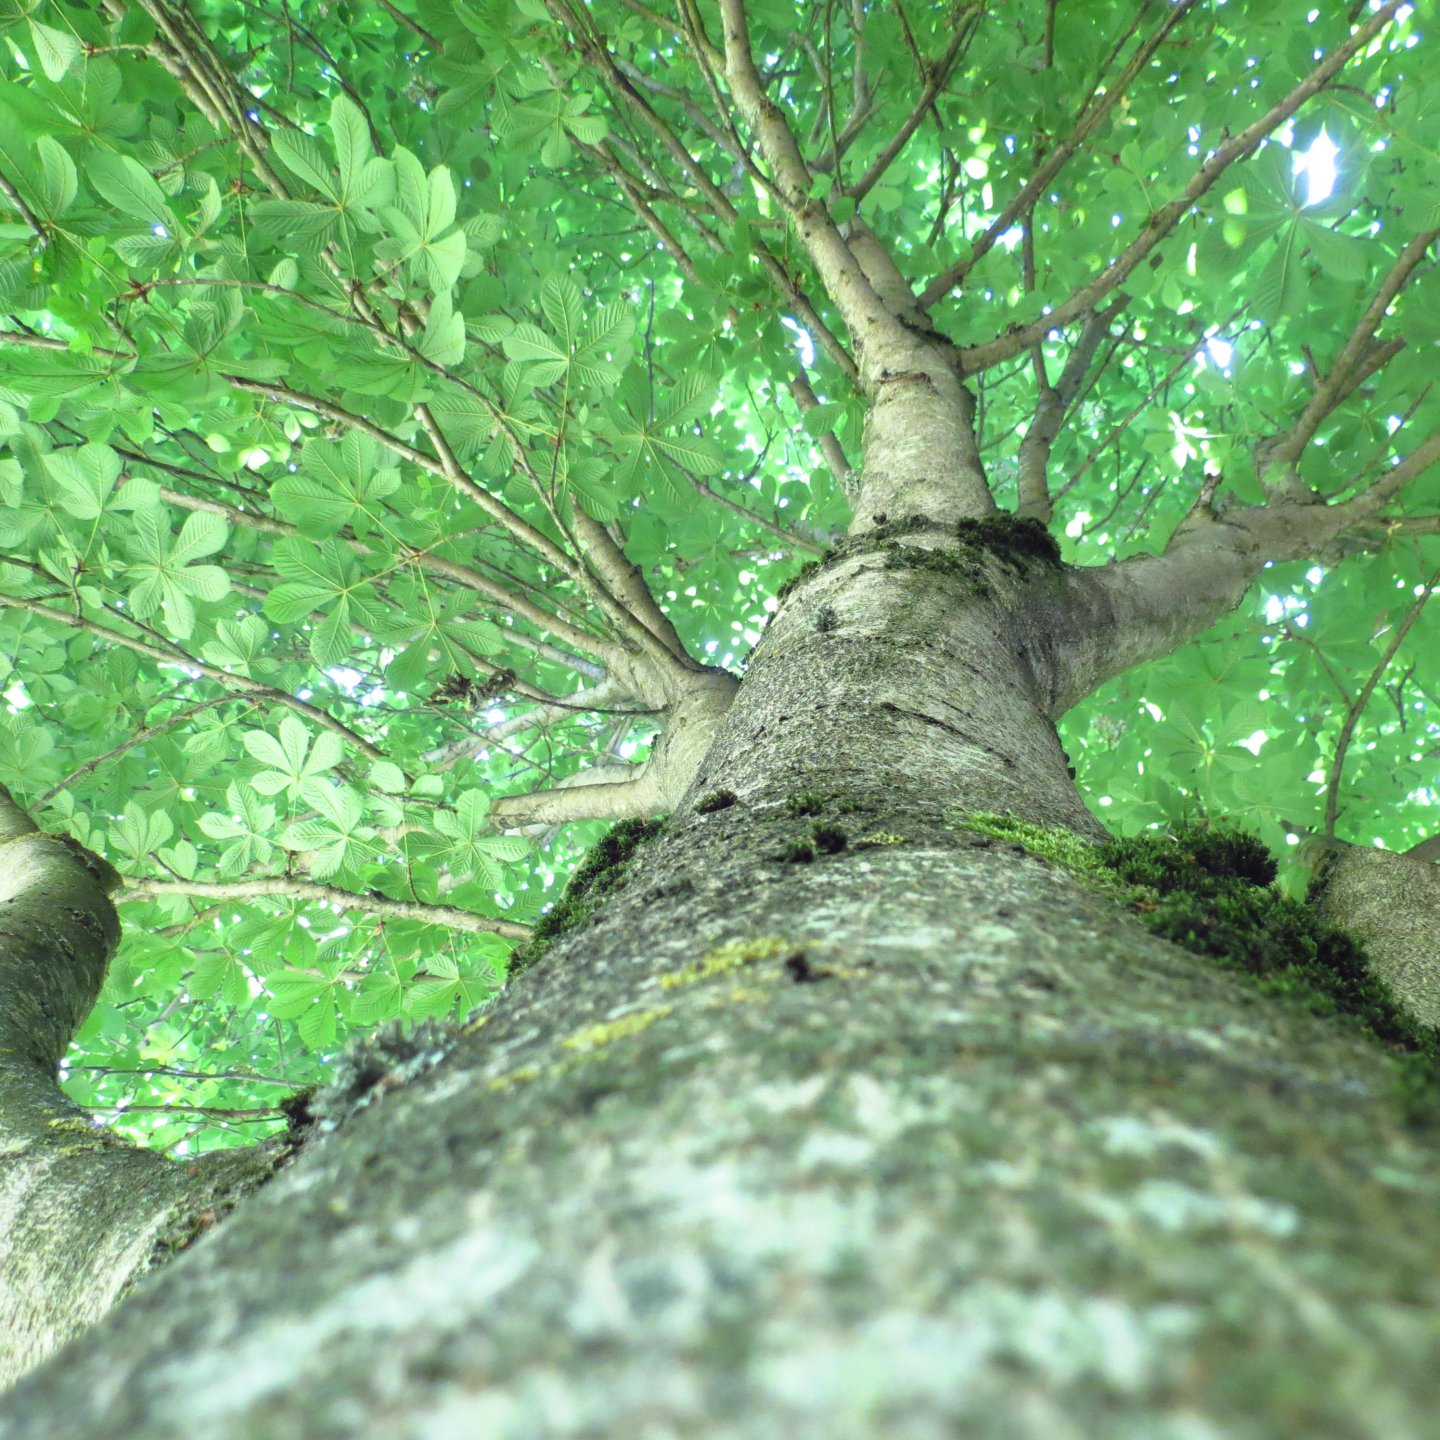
pixel 916 1138
pixel 1391 903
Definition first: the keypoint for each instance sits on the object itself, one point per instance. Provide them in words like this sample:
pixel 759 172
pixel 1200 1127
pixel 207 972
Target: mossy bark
pixel 918 1136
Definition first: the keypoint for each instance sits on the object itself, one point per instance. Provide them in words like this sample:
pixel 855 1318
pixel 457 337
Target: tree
pixel 438 432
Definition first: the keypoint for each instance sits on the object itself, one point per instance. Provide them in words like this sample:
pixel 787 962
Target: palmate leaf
pixel 594 352
pixel 247 823
pixel 470 851
pixel 335 486
pixel 85 478
pixel 592 481
pixel 379 997
pixel 443 339
pixel 218 974
pixel 139 832
pixel 313 575
pixel 365 180
pixel 437 995
pixel 164 576
pixel 421 224
pixel 292 756
pixel 655 452
pixel 238 644
pixel 307 996
pixel 327 850
pixel 272 942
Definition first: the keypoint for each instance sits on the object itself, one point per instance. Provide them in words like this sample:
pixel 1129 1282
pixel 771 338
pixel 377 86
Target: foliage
pixel 344 352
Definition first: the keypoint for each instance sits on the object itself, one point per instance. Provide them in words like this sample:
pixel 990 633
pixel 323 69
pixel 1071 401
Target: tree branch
pixel 1359 358
pixel 1358 704
pixel 1051 406
pixel 1088 121
pixel 284 886
pixel 1162 221
pixel 138 738
pixel 937 75
pixel 865 315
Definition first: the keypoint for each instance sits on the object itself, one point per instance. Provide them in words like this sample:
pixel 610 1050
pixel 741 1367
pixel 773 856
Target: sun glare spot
pixel 1220 351
pixel 1317 165
pixel 803 341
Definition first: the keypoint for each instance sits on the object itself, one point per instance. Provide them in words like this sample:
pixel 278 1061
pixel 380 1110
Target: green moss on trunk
pixel 601 872
pixel 1212 891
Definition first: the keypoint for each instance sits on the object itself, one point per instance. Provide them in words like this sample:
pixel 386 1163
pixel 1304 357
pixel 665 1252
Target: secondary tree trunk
pixel 914 1137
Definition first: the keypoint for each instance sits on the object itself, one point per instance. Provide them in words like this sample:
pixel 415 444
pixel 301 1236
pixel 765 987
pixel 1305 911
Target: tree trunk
pixel 914 1136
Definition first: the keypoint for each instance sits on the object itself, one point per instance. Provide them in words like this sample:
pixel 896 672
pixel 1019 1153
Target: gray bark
pixel 1391 904
pixel 918 1138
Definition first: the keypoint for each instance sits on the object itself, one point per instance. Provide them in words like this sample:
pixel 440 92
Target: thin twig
pixel 1358 704
pixel 289 887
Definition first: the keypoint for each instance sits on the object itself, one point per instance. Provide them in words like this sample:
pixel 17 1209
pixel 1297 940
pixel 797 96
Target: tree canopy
pixel 402 404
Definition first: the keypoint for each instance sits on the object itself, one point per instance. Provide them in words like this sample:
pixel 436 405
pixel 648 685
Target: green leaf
pixel 293 759
pixel 56 50
pixel 335 486
pixel 138 832
pixel 1341 257
pixel 218 974
pixel 303 157
pixel 1281 286
pixel 294 992
pixel 130 188
pixel 443 340
pixel 563 305
pixel 85 476
pixel 338 804
pixel 692 452
pixel 299 220
pixel 164 579
pixel 388 777
pixel 548 358
pixel 203 533
pixel 60 183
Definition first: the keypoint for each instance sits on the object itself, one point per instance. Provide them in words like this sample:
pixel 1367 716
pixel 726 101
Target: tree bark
pixel 916 1136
